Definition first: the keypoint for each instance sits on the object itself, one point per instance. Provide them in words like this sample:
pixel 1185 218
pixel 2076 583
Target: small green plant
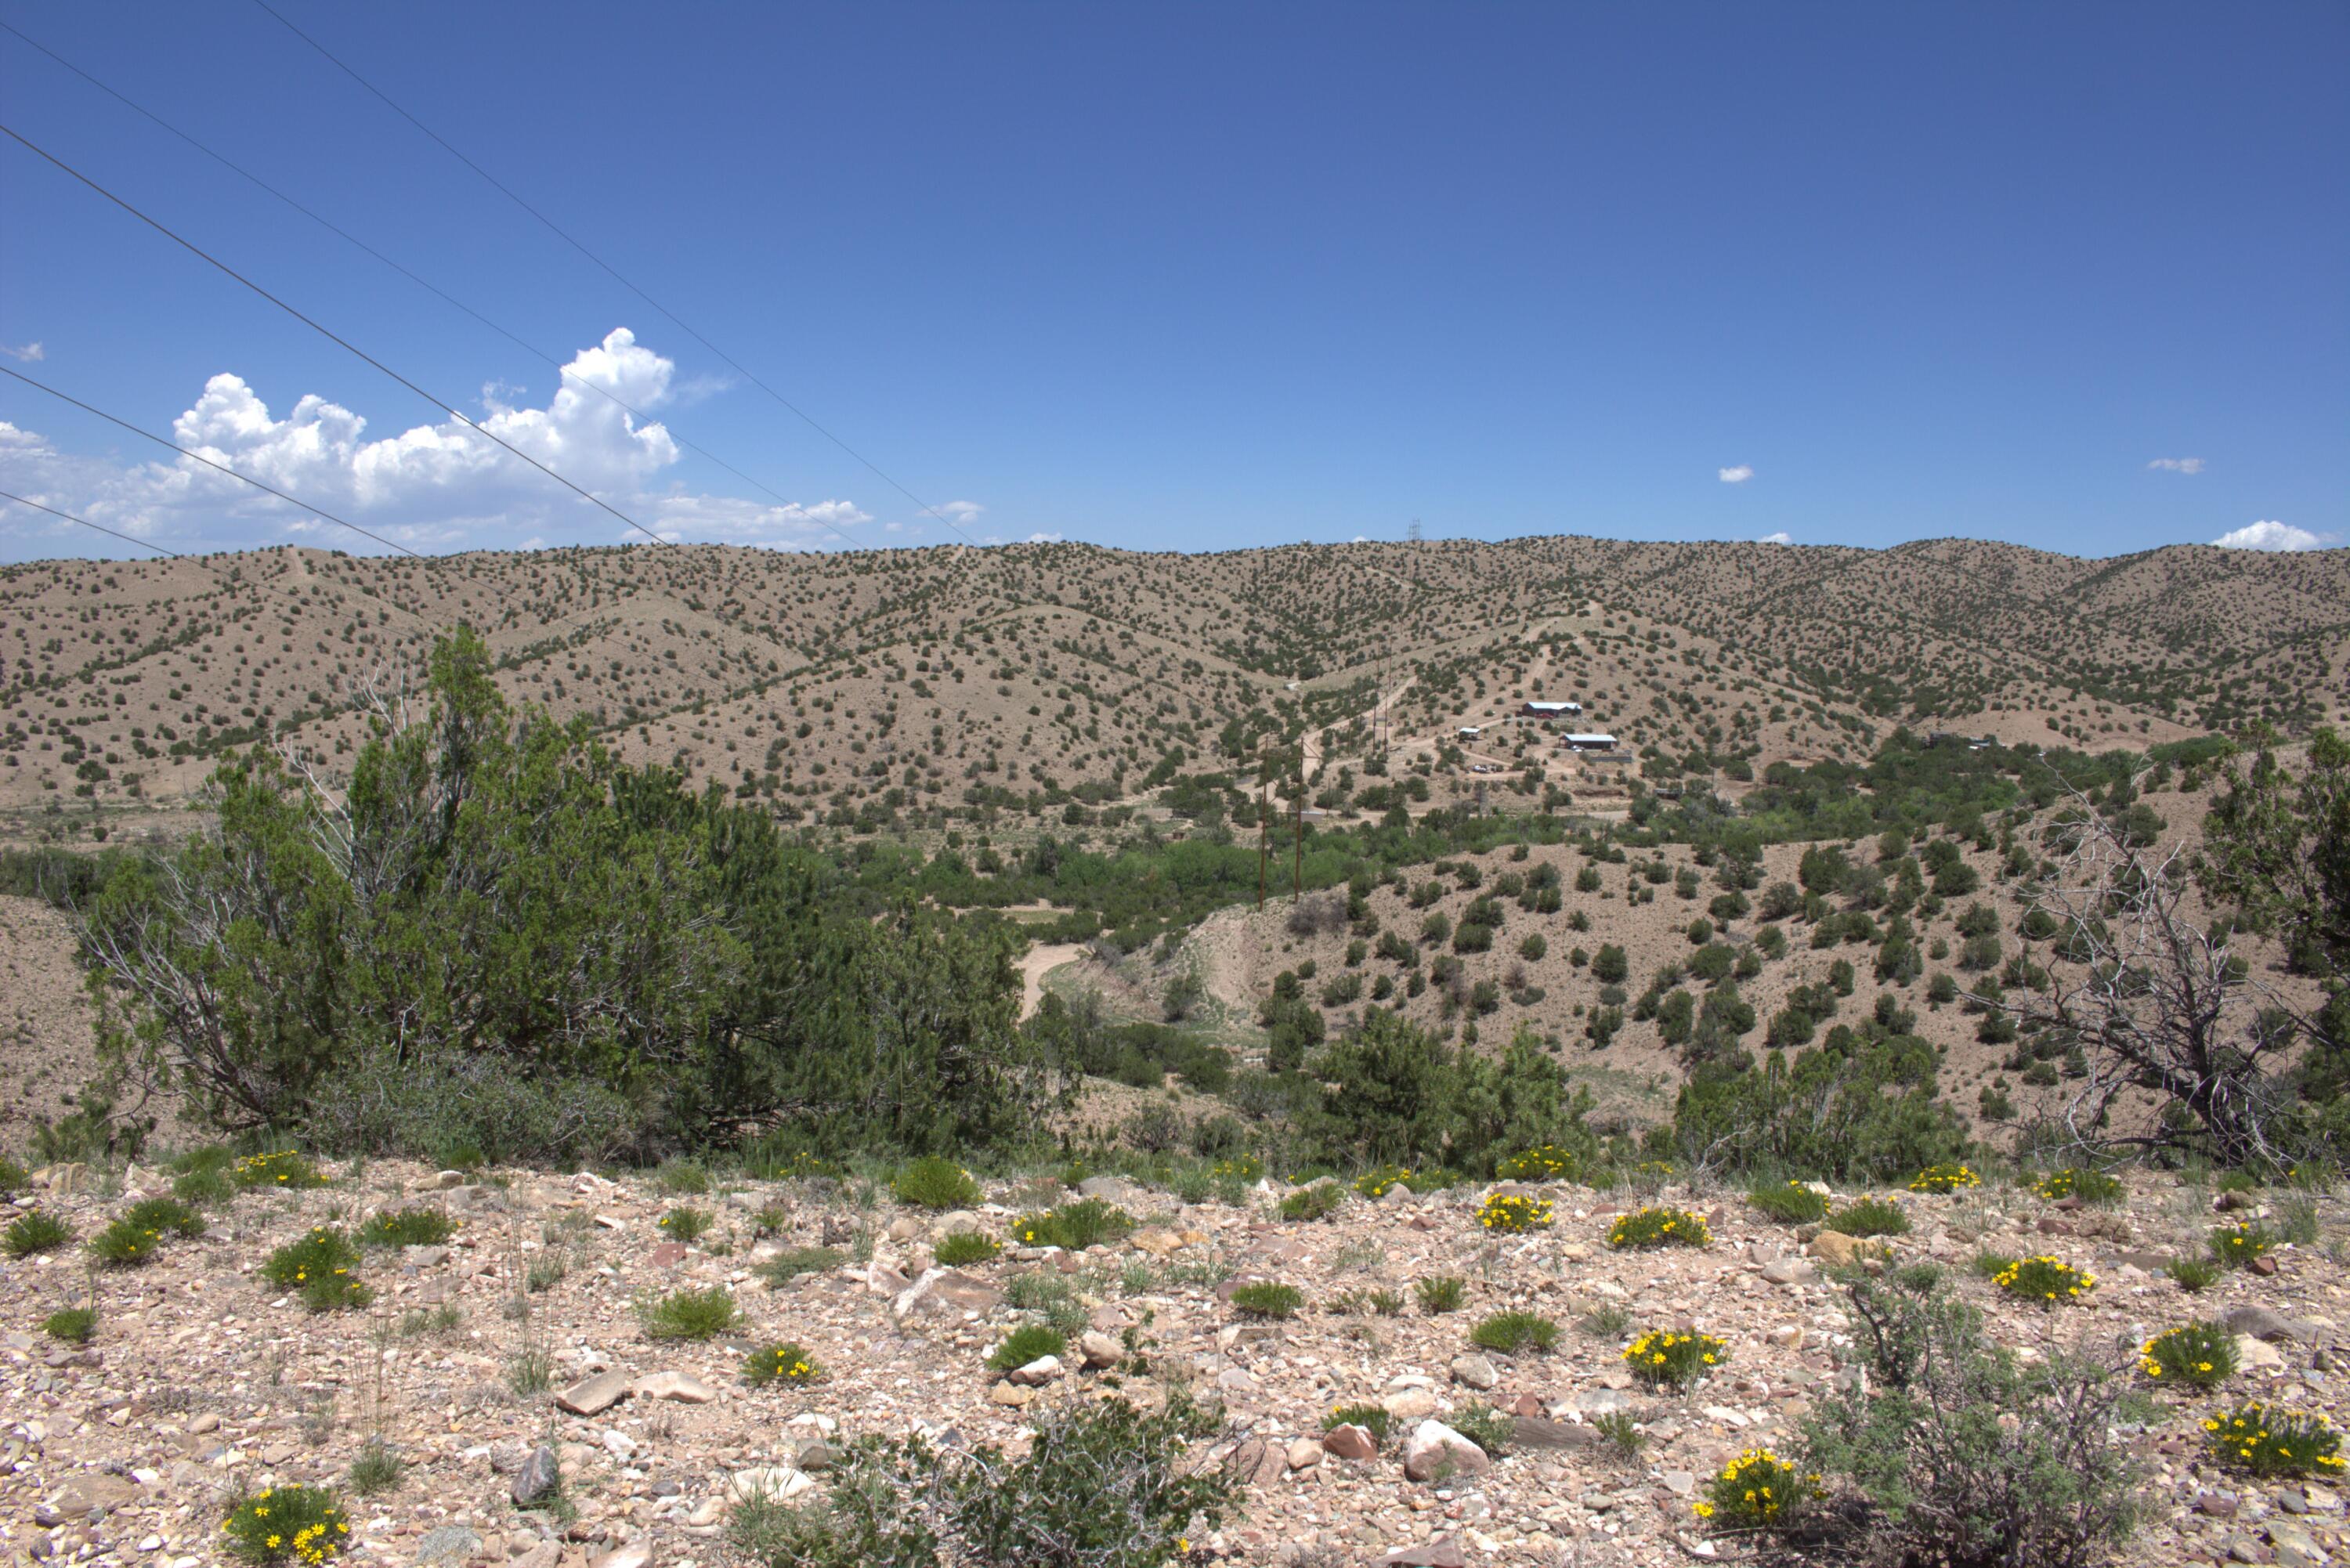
pixel 1513 1214
pixel 2193 1274
pixel 1620 1432
pixel 1073 1227
pixel 1944 1178
pixel 378 1468
pixel 1989 1265
pixel 681 1179
pixel 1647 1227
pixel 285 1167
pixel 791 1262
pixel 1512 1333
pixel 1869 1217
pixel 1372 1418
pixel 1440 1294
pixel 35 1230
pixel 1489 1428
pixel 122 1245
pixel 685 1224
pixel 1608 1321
pixel 1378 1182
pixel 212 1188
pixel 12 1176
pixel 72 1324
pixel 1029 1341
pixel 318 1268
pixel 1791 1203
pixel 1670 1359
pixel 932 1183
pixel 966 1247
pixel 299 1524
pixel 443 1319
pixel 546 1269
pixel 1318 1201
pixel 2047 1280
pixel 1266 1299
pixel 2076 1181
pixel 689 1314
pixel 164 1216
pixel 1754 1491
pixel 2268 1441
pixel 784 1362
pixel 2199 1354
pixel 2235 1246
pixel 408 1228
pixel 1546 1162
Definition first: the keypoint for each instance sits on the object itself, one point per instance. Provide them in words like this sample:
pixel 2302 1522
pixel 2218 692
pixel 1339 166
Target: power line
pixel 613 272
pixel 343 233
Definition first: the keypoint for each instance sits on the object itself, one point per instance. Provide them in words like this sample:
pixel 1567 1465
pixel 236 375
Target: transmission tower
pixel 1412 533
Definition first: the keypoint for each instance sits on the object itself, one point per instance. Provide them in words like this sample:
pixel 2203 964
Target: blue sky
pixel 1202 277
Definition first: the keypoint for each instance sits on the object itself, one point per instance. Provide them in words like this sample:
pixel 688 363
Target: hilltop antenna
pixel 1411 535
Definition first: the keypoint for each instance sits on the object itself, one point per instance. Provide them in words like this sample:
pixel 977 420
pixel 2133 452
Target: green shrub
pixel 685 1224
pixel 1513 1214
pixel 793 1261
pixel 2193 1274
pixel 1607 1321
pixel 934 1183
pixel 1102 1485
pixel 1869 1217
pixel 689 1314
pixel 212 1188
pixel 1025 1344
pixel 1950 1176
pixel 12 1176
pixel 1318 1201
pixel 681 1179
pixel 318 1268
pixel 1489 1428
pixel 784 1362
pixel 1754 1492
pixel 1440 1294
pixel 1512 1333
pixel 2235 1246
pixel 2045 1280
pixel 1266 1299
pixel 297 1524
pixel 1647 1228
pixel 2075 1181
pixel 964 1248
pixel 2198 1355
pixel 1357 1303
pixel 1073 1227
pixel 1666 1358
pixel 1379 1181
pixel 285 1168
pixel 35 1230
pixel 1372 1418
pixel 122 1245
pixel 73 1324
pixel 2267 1441
pixel 378 1468
pixel 407 1228
pixel 163 1216
pixel 1789 1203
pixel 1620 1430
pixel 1546 1162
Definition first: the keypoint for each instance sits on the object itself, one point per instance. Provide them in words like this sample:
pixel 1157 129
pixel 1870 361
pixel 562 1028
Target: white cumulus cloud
pixel 2272 535
pixel 31 354
pixel 1781 537
pixel 1738 475
pixel 2177 464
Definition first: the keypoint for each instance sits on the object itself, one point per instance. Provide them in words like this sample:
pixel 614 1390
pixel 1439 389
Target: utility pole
pixel 1297 867
pixel 1263 830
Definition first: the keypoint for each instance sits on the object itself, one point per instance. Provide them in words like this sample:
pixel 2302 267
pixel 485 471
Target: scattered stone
pixel 1434 1448
pixel 538 1476
pixel 1441 1553
pixel 1037 1373
pixel 682 1387
pixel 945 1293
pixel 1789 1271
pixel 1474 1372
pixel 1348 1441
pixel 593 1395
pixel 446 1546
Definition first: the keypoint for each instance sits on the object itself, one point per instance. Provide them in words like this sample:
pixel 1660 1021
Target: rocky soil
pixel 201 1379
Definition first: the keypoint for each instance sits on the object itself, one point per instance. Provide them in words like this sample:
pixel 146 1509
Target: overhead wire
pixel 616 275
pixel 561 369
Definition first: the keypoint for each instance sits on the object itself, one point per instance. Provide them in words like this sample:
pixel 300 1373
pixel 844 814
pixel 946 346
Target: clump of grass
pixel 935 1183
pixel 784 1362
pixel 408 1228
pixel 35 1230
pixel 72 1324
pixel 1513 1214
pixel 1028 1343
pixel 1318 1201
pixel 164 1216
pixel 1989 1265
pixel 2078 1182
pixel 299 1524
pixel 966 1247
pixel 681 1179
pixel 2268 1441
pixel 1754 1491
pixel 1945 1179
pixel 1870 1217
pixel 1604 1322
pixel 1671 1359
pixel 1379 1182
pixel 1514 1332
pixel 1381 1302
pixel 1489 1428
pixel 2047 1280
pixel 689 1314
pixel 12 1176
pixel 1266 1299
pixel 1372 1418
pixel 1440 1294
pixel 1546 1162
pixel 1791 1204
pixel 378 1468
pixel 212 1188
pixel 685 1224
pixel 1620 1432
pixel 2198 1355
pixel 122 1245
pixel 285 1167
pixel 1073 1227
pixel 790 1264
pixel 547 1269
pixel 442 1319
pixel 318 1267
pixel 2193 1274
pixel 1647 1228
pixel 2235 1246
